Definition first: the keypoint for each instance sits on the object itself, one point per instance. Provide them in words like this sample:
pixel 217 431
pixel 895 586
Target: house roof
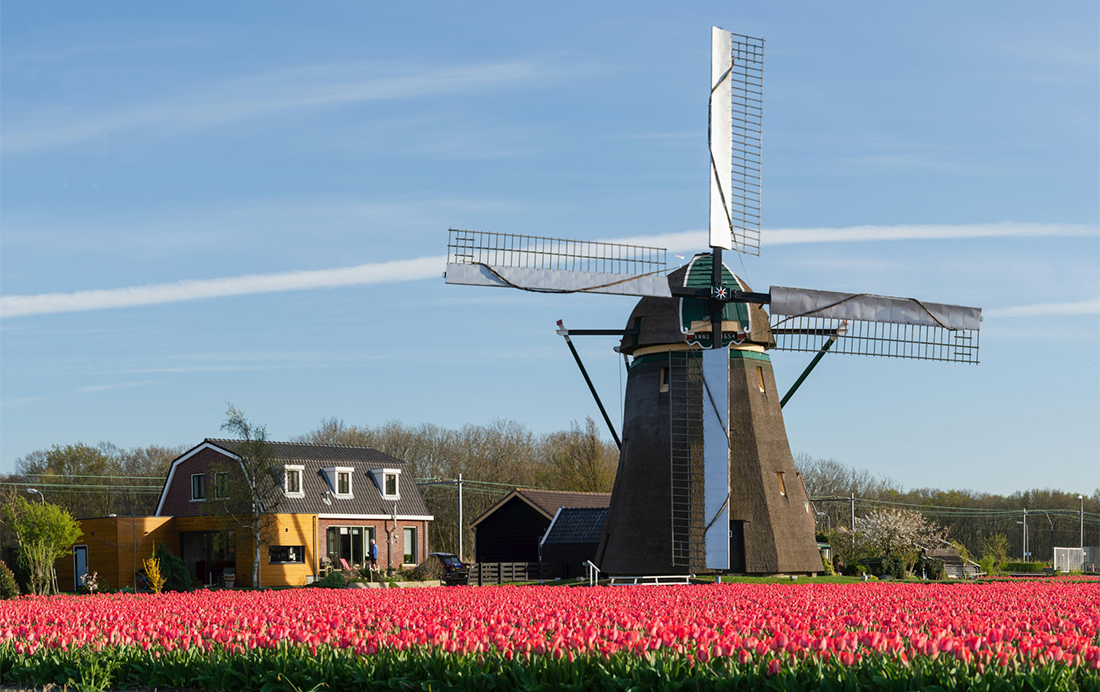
pixel 317 493
pixel 576 525
pixel 547 502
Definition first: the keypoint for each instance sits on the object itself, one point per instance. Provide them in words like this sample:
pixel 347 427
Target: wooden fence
pixel 482 573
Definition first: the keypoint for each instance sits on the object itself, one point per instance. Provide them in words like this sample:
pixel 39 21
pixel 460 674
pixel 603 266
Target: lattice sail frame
pixel 858 338
pixel 736 140
pixel 555 265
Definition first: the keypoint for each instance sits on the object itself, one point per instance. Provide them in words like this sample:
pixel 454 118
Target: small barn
pixel 572 539
pixel 511 530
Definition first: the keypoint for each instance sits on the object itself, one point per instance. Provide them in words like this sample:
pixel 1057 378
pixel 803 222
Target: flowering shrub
pixel 1008 635
pixel 153 575
pixel 90 582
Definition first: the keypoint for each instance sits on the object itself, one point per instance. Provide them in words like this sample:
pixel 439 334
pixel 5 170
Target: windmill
pixel 706 481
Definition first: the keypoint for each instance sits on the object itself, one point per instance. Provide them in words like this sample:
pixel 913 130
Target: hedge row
pixel 1019 567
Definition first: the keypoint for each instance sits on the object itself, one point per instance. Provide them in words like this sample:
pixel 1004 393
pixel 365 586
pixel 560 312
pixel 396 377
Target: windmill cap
pixel 667 321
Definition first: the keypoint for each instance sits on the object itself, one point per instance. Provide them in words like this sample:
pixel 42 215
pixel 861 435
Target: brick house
pixel 336 499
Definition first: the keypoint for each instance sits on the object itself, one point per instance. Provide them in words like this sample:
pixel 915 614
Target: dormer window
pixel 388 482
pixel 339 479
pixel 292 481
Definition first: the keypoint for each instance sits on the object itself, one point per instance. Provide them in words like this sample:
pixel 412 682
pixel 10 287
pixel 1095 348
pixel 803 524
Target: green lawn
pixel 727 579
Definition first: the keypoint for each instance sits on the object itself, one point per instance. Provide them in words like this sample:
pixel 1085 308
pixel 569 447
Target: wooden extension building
pixel 336 499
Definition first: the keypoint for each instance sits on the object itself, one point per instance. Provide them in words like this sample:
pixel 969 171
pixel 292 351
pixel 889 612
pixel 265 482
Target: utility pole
pixel 853 514
pixel 1027 555
pixel 1081 498
pixel 460 524
pixel 457 482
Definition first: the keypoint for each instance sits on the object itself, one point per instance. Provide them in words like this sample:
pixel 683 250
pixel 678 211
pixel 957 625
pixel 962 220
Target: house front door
pixel 80 565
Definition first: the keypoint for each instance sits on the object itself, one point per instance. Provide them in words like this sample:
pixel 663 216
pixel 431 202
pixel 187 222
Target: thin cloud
pixel 92 389
pixel 250 284
pixel 23 401
pixel 432 267
pixel 791 236
pixel 695 240
pixel 318 86
pixel 1080 307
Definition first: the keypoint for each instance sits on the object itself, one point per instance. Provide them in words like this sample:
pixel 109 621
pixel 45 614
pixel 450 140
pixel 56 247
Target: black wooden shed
pixel 510 531
pixel 572 539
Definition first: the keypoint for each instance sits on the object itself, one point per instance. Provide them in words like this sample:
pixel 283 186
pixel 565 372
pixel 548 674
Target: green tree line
pixel 973 518
pixel 104 479
pixel 95 481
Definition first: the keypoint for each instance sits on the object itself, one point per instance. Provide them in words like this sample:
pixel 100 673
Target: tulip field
pixel 1041 635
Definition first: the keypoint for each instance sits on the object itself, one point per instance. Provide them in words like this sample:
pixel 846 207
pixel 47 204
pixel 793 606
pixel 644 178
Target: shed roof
pixel 547 502
pixel 576 525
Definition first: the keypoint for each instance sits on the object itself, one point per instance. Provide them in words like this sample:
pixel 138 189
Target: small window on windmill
pixel 782 485
pixel 664 380
pixel 760 378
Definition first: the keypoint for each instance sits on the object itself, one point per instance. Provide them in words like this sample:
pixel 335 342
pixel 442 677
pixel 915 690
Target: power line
pixel 90 487
pixel 957 511
pixel 87 475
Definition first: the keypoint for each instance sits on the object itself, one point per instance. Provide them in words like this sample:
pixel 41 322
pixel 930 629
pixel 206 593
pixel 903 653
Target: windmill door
pixel 737 546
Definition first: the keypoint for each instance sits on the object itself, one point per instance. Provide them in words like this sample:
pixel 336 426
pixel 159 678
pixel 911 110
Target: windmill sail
pixel 873 325
pixel 736 140
pixel 555 265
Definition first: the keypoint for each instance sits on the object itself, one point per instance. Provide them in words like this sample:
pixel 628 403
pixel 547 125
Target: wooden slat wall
pixel 290 529
pixel 101 539
pixel 138 538
pixel 118 545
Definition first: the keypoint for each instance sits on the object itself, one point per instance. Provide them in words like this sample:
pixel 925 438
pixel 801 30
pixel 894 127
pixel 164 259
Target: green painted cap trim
pixel 698 276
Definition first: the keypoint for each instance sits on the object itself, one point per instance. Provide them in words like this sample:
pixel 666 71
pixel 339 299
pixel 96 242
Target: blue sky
pixel 201 205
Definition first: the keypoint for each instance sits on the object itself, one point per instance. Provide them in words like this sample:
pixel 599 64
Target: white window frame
pixel 192 489
pixel 380 476
pixel 332 473
pixel 300 561
pixel 415 546
pixel 289 469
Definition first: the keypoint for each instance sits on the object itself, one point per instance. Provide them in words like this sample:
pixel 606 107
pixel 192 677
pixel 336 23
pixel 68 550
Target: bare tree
pixel 579 460
pixel 251 491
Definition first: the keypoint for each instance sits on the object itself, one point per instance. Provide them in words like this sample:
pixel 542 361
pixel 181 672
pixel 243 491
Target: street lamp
pixel 1081 498
pixel 53 571
pixel 1025 546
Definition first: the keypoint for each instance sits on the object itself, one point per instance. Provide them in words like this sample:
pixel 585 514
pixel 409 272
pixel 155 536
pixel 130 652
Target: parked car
pixel 446 567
